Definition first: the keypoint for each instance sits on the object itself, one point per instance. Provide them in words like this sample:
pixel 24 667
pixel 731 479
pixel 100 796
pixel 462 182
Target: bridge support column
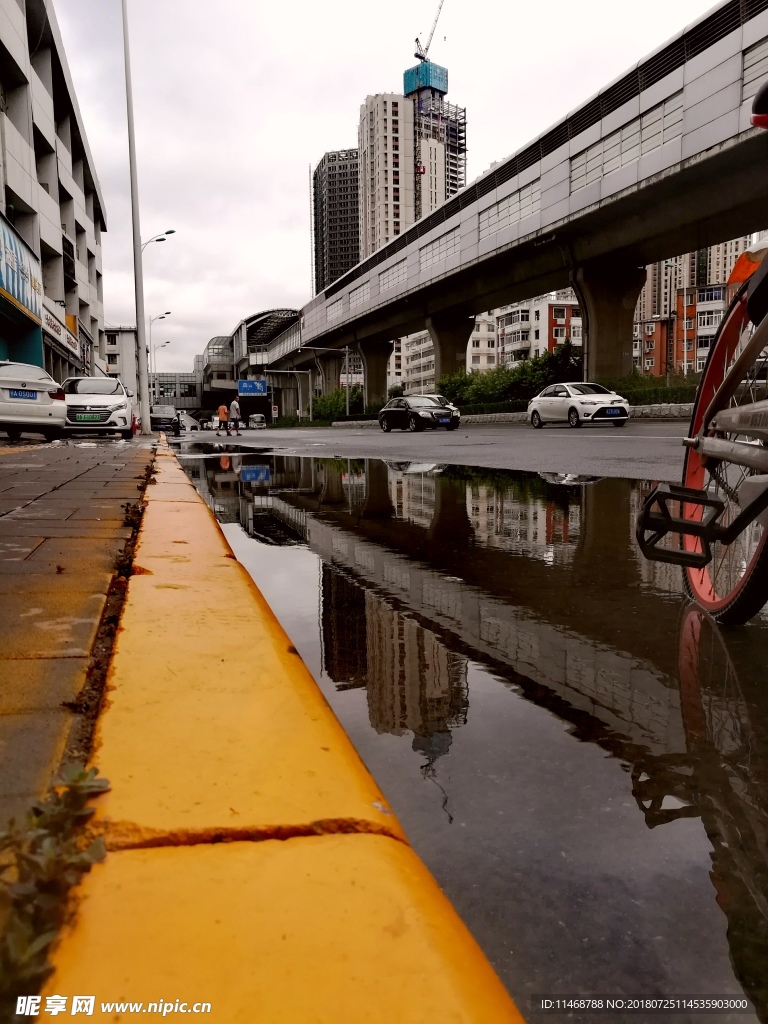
pixel 331 366
pixel 375 356
pixel 304 384
pixel 608 293
pixel 450 337
pixel 450 527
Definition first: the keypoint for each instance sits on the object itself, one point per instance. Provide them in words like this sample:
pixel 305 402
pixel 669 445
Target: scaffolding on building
pixel 446 123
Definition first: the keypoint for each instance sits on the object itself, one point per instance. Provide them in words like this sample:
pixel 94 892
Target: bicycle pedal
pixel 657 520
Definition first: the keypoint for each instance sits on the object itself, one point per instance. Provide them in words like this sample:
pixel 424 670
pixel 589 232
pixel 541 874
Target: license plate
pixel 614 412
pixel 441 420
pixel 14 393
pixel 87 416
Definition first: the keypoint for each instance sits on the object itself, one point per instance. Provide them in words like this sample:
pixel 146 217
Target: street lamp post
pixel 317 348
pixel 160 316
pixel 138 275
pixel 153 356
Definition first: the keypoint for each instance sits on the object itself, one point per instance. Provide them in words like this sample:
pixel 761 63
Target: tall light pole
pixel 138 275
pixel 153 356
pixel 160 316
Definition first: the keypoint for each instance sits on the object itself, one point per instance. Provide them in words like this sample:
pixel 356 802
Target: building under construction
pixel 440 137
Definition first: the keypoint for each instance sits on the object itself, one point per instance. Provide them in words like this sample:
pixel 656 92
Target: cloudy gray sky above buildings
pixel 235 100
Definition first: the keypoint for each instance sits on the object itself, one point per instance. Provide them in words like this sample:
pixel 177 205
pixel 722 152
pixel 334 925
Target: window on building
pixel 650 346
pixel 689 323
pixel 650 363
pixel 536 315
pixel 111 339
pixel 111 359
pixel 475 360
pixel 710 295
pixel 650 328
pixel 475 343
pixel 558 333
pixel 490 360
pixel 558 312
pixel 700 363
pixel 709 317
pixel 536 335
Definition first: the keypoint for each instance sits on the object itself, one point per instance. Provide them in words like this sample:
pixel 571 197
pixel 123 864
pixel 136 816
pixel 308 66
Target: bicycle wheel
pixel 734 586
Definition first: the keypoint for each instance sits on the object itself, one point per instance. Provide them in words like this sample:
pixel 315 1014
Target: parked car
pixel 577 403
pixel 257 421
pixel 31 402
pixel 99 405
pixel 164 417
pixel 417 412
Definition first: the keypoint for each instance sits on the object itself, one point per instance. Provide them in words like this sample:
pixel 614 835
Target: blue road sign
pixel 255 474
pixel 251 387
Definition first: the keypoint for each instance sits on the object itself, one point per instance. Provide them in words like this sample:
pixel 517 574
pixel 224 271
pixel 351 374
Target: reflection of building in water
pixel 537 526
pixel 414 682
pixel 658 575
pixel 413 496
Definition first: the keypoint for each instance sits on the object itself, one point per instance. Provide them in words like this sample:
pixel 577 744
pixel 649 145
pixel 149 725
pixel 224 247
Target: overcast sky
pixel 235 99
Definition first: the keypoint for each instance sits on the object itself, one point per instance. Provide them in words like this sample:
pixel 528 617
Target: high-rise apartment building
pixel 335 199
pixel 530 328
pixel 680 308
pixel 413 154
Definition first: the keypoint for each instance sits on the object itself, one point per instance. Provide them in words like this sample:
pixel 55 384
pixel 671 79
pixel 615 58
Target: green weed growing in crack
pixel 41 858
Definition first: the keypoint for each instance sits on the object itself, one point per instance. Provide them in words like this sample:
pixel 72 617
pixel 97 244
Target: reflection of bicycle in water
pixel 716 524
pixel 722 778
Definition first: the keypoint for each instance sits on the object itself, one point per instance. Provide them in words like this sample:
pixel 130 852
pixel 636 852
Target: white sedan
pixel 578 403
pixel 99 405
pixel 31 402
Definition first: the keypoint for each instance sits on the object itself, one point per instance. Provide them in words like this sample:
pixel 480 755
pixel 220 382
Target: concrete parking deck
pixel 62 530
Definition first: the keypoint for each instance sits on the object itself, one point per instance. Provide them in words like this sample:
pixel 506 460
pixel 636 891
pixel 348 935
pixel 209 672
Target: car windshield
pixel 23 370
pixel 92 386
pixel 589 389
pixel 162 410
pixel 422 403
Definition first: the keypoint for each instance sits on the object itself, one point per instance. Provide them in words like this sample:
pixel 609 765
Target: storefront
pixel 61 349
pixel 21 299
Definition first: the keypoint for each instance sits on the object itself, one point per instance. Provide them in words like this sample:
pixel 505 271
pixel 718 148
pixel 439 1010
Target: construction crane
pixel 422 51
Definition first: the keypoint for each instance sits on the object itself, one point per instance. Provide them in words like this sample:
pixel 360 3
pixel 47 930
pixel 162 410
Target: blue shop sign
pixel 20 276
pixel 255 474
pixel 251 387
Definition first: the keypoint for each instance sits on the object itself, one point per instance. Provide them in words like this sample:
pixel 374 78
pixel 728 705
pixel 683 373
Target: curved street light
pixel 158 238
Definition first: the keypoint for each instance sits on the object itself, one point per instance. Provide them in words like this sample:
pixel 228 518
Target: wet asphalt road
pixel 639 451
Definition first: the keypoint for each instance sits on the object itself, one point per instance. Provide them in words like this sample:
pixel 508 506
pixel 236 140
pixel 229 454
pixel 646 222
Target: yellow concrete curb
pixel 255 864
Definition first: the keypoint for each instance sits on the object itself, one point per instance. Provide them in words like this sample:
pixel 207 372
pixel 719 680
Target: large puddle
pixel 578 754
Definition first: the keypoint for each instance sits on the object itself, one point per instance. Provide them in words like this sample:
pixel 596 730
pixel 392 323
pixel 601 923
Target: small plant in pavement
pixel 41 858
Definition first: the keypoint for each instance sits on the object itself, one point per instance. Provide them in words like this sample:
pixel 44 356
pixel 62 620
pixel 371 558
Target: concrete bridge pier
pixel 331 366
pixel 450 337
pixel 304 384
pixel 378 503
pixel 375 356
pixel 608 292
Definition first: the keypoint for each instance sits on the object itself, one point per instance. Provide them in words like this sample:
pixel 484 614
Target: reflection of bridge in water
pixel 533 619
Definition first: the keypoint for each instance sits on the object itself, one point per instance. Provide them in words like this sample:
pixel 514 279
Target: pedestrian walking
pixel 223 420
pixel 234 416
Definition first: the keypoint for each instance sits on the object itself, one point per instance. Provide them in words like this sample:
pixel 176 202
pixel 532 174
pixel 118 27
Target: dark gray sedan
pixel 418 412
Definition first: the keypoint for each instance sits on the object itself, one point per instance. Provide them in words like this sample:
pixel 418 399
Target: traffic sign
pixel 274 411
pixel 251 387
pixel 255 474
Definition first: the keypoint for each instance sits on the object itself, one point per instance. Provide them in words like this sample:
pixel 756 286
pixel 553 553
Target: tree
pixel 396 391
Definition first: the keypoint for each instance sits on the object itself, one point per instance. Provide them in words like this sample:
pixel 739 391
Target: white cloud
pixel 234 100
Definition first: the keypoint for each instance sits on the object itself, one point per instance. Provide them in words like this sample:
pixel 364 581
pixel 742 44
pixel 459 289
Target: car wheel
pixel 127 435
pixel 452 426
pixel 573 418
pixel 413 424
pixel 536 420
pixel 13 433
pixel 385 425
pixel 620 423
pixel 52 435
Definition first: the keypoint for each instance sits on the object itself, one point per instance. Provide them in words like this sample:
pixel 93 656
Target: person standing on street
pixel 234 416
pixel 223 420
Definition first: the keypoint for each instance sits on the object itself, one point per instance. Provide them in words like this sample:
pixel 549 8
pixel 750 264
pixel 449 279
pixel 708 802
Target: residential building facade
pixel 417 355
pixel 51 207
pixel 680 308
pixel 122 356
pixel 538 325
pixel 336 218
